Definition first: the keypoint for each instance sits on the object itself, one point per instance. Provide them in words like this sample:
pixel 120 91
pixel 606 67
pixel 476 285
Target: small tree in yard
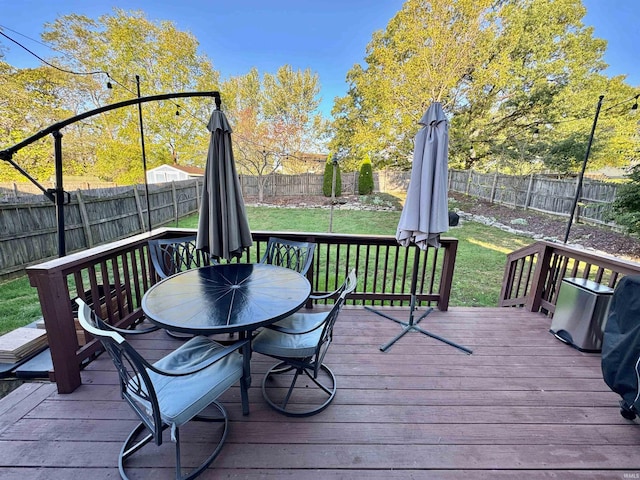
pixel 328 178
pixel 365 180
pixel 626 207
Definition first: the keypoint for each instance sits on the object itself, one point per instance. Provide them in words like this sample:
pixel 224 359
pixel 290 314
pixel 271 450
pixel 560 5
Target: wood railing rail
pixel 533 274
pixel 114 277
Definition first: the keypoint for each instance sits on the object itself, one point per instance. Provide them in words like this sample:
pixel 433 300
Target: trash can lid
pixel 590 285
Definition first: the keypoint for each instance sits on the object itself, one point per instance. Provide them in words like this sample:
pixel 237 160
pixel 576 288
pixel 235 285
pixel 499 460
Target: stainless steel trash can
pixel 581 313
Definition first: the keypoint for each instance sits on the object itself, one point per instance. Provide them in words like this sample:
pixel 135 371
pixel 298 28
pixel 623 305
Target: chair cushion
pixel 181 398
pixel 271 342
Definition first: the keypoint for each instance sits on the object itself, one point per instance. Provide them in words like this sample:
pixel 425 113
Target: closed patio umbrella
pixel 425 214
pixel 223 229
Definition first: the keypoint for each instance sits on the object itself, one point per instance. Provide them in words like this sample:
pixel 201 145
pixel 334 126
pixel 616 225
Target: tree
pixel 276 123
pixel 30 100
pixel 126 44
pixel 426 51
pixel 626 207
pixel 365 179
pixel 502 70
pixel 545 76
pixel 327 181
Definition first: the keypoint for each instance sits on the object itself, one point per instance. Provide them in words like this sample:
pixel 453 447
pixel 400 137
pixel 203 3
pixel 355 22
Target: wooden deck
pixel 522 406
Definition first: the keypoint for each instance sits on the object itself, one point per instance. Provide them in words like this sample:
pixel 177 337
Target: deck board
pixel 523 405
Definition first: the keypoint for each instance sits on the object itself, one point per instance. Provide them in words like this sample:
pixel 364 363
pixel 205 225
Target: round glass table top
pixel 225 298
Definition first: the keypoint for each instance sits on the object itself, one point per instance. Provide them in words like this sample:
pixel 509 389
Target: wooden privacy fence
pixel 94 217
pixel 28 226
pixel 538 192
pixel 277 185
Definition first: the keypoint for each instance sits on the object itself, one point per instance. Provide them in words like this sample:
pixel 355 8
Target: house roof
pixel 193 171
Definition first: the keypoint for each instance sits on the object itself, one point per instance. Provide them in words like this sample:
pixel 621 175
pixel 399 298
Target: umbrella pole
pixel 413 324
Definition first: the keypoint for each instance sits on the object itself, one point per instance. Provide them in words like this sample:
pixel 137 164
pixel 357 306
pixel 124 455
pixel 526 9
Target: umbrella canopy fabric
pixel 425 213
pixel 223 229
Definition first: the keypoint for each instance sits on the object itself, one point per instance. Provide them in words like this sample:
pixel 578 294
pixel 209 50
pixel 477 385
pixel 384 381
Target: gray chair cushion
pixel 272 342
pixel 181 398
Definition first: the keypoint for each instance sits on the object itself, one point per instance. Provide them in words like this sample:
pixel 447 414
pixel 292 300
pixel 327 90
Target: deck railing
pixel 533 274
pixel 115 276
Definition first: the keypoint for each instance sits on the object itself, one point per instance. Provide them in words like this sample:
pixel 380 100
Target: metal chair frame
pixel 173 255
pixel 310 366
pixel 138 389
pixel 291 254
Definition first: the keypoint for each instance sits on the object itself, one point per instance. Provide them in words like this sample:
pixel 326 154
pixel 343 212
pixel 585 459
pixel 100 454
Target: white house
pixel 173 173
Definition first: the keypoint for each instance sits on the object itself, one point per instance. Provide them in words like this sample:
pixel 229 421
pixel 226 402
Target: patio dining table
pixel 234 297
pixel 226 298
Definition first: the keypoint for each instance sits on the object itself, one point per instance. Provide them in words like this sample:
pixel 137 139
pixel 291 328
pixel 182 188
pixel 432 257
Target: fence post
pixel 86 226
pixel 493 187
pixel 198 195
pixel 175 200
pixel 527 200
pixel 466 190
pixel 139 206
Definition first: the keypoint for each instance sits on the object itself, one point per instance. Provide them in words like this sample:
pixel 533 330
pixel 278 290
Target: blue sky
pixel 326 36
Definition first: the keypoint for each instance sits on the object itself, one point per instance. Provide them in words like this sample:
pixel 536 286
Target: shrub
pixel 365 179
pixel 626 207
pixel 328 178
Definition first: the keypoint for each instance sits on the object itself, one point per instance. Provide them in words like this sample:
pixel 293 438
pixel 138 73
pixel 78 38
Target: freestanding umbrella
pixel 425 214
pixel 223 229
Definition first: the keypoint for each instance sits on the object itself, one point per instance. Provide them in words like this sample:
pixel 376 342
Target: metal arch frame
pixel 57 194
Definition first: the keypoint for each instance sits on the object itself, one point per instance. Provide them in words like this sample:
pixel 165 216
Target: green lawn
pixel 477 279
pixel 480 262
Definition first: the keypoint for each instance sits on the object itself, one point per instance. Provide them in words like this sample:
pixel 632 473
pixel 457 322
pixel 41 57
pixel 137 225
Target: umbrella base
pixel 412 325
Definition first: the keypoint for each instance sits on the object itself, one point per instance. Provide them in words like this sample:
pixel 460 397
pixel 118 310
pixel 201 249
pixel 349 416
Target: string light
pixel 110 80
pixel 50 64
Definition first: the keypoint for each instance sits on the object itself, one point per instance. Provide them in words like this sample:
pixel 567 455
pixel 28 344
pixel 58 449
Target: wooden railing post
pixel 534 299
pixel 446 280
pixel 61 333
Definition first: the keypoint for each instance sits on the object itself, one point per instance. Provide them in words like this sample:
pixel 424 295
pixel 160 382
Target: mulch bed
pixel 599 238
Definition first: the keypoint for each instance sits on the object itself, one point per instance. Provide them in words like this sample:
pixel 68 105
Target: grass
pixel 19 306
pixel 480 261
pixel 315 220
pixel 477 279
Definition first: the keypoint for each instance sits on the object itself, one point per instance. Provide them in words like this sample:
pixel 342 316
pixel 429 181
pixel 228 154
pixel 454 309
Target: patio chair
pixel 174 390
pixel 300 343
pixel 290 254
pixel 173 255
